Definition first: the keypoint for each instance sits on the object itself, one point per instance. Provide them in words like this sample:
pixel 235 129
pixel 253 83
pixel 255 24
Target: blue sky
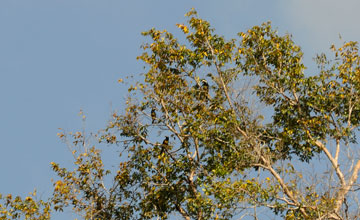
pixel 60 56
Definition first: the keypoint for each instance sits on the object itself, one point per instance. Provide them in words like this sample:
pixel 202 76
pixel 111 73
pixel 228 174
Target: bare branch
pixel 334 162
pixel 345 189
pixel 285 188
pixel 337 150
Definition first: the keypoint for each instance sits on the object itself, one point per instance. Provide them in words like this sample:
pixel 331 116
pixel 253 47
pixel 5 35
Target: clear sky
pixel 60 56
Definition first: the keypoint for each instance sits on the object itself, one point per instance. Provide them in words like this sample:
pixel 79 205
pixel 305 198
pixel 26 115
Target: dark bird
pixel 204 88
pixel 165 145
pixel 153 115
pixel 196 88
pixel 175 71
pixel 204 85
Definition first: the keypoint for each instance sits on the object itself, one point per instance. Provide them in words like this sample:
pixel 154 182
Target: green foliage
pixel 190 140
pixel 28 208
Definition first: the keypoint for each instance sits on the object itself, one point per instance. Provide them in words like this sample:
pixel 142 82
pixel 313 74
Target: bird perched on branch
pixel 205 85
pixel 153 115
pixel 205 89
pixel 175 71
pixel 165 145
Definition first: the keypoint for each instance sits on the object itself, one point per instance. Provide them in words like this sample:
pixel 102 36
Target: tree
pixel 195 147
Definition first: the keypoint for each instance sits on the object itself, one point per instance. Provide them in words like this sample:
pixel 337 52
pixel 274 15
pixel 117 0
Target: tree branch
pixel 183 212
pixel 337 150
pixel 285 188
pixel 334 162
pixel 345 189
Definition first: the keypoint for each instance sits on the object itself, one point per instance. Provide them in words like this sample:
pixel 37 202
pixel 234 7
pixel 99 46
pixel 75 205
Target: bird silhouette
pixel 205 85
pixel 165 145
pixel 153 115
pixel 175 71
pixel 204 89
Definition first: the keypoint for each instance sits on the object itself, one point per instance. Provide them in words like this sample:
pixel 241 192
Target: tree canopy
pixel 220 129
